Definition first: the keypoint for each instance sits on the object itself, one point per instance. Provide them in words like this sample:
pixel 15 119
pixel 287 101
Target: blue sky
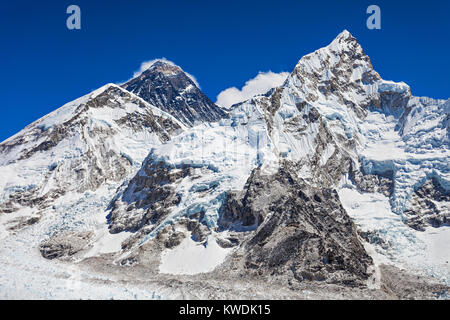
pixel 222 43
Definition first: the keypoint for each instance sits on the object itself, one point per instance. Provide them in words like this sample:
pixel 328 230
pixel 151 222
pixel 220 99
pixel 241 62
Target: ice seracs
pixel 168 87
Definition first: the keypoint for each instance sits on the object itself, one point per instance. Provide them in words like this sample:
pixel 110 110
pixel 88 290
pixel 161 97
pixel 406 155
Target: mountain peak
pixel 165 67
pixel 166 86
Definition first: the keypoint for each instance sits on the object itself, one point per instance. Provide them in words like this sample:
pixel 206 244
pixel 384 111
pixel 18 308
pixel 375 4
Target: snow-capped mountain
pixel 97 139
pixel 167 87
pixel 336 179
pixel 333 124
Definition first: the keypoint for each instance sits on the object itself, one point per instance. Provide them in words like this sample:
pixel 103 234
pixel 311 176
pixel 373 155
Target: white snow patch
pixel 191 257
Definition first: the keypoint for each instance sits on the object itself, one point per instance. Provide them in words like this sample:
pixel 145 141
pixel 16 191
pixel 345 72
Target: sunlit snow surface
pixel 24 274
pixel 191 257
pixel 230 150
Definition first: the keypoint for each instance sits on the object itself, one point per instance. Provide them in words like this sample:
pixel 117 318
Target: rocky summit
pixel 334 185
pixel 167 87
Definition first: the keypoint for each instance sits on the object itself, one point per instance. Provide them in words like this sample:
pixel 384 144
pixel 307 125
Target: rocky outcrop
pixel 429 206
pixel 167 87
pixel 150 196
pixel 400 284
pixel 64 245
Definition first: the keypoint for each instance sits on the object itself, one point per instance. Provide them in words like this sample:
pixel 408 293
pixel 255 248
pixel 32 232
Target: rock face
pixel 300 231
pixel 253 192
pixel 167 87
pixel 148 198
pixel 95 140
pixel 381 182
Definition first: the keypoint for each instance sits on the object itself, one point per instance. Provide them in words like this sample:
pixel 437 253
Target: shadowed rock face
pixel 301 231
pixel 167 87
pixel 429 205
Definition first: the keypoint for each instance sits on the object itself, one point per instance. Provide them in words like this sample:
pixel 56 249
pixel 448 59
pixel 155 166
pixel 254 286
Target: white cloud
pixel 147 64
pixel 262 83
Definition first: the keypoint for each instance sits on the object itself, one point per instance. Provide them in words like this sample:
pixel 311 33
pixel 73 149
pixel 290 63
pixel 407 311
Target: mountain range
pixel 333 185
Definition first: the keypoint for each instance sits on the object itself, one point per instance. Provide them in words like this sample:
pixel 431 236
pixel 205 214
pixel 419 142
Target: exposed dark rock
pixel 429 206
pixel 151 191
pixel 174 239
pixel 227 243
pixel 23 222
pixel 400 284
pixel 198 230
pixel 167 87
